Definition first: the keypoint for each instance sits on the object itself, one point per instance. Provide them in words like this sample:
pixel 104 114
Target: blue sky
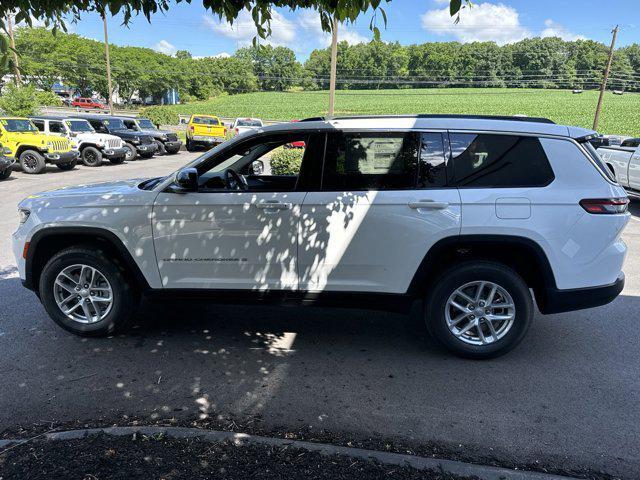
pixel 192 28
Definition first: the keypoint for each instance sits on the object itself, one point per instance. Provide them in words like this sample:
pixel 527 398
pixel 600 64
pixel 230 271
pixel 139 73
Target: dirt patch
pixel 158 457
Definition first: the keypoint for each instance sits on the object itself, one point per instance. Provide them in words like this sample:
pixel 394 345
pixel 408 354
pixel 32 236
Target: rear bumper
pixel 558 301
pixel 64 157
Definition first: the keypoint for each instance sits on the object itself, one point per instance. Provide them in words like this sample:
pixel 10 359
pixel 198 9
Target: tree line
pixel 47 58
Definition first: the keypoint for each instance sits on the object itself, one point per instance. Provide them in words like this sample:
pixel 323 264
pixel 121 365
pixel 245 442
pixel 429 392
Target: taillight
pixel 237 131
pixel 225 131
pixel 192 128
pixel 605 206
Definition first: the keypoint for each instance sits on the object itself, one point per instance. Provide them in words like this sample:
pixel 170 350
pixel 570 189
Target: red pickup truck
pixel 88 103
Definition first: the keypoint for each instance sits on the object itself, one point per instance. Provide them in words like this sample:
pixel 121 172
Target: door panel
pixel 373 238
pixel 227 240
pixel 634 170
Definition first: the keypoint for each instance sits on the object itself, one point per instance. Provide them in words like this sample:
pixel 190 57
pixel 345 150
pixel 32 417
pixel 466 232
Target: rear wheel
pixel 86 292
pixel 32 162
pixel 189 146
pixel 479 309
pixel 91 157
pixel 66 166
pixel 131 152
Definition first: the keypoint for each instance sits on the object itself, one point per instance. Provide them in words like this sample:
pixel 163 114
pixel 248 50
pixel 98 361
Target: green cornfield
pixel 621 113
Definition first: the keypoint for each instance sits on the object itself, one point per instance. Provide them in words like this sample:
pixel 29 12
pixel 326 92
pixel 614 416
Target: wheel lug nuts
pixel 86 285
pixel 487 311
pixel 472 317
pixel 482 304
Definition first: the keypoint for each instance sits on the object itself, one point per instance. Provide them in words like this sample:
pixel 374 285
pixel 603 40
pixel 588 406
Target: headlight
pixel 23 214
pixel 49 145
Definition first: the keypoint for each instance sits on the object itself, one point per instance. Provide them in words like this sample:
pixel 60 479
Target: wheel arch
pixel 47 242
pixel 522 254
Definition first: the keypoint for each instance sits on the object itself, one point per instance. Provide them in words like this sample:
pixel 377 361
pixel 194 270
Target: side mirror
pixel 187 180
pixel 257 167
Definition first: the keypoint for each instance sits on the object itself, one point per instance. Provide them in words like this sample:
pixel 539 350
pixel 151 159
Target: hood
pixel 104 190
pixel 153 133
pixel 95 137
pixel 128 134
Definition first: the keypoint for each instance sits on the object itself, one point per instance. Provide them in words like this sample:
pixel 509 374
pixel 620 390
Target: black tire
pixel 189 146
pixel 172 151
pixel 6 173
pixel 476 271
pixel 66 166
pixel 131 153
pixel 91 157
pixel 125 299
pixel 146 155
pixel 161 150
pixel 117 160
pixel 32 162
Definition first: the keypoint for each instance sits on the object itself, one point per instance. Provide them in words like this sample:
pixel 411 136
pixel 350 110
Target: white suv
pixel 470 214
pixel 93 146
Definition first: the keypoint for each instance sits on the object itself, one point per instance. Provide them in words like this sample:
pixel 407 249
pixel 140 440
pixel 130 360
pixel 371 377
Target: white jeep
pixel 476 216
pixel 93 146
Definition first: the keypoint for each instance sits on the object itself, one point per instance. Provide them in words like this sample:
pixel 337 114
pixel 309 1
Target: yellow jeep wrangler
pixel 25 143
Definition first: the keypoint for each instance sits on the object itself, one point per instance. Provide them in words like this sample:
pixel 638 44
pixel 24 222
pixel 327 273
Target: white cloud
pixel 243 29
pixel 482 22
pixel 165 47
pixel 556 30
pixel 309 22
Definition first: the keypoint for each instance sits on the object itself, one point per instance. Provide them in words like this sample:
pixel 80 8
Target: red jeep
pixel 87 103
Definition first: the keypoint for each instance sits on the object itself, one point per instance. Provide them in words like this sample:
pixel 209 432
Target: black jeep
pixel 135 143
pixel 166 141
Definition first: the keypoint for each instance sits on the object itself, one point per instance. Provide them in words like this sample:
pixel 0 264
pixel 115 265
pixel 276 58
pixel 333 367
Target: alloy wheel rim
pixel 30 161
pixel 129 154
pixel 480 312
pixel 90 157
pixel 83 293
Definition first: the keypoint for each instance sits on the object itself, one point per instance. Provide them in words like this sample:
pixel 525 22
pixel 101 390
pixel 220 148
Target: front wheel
pixel 86 292
pixel 479 309
pixel 117 160
pixel 130 153
pixel 5 173
pixel 91 157
pixel 147 155
pixel 161 150
pixel 32 162
pixel 66 166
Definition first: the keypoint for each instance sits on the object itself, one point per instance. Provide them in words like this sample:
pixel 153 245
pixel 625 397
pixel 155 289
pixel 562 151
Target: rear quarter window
pixel 499 161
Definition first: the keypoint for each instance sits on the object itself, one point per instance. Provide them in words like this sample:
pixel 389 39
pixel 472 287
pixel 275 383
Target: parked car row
pixel 90 139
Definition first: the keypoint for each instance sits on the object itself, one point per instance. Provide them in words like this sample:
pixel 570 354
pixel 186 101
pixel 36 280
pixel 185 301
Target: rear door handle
pixel 273 205
pixel 428 204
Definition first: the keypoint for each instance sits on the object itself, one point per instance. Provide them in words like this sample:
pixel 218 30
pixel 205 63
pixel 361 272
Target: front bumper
pixel 146 147
pixel 558 301
pixel 61 157
pixel 114 152
pixel 173 146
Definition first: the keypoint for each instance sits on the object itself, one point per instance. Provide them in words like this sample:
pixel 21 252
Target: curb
pixel 453 467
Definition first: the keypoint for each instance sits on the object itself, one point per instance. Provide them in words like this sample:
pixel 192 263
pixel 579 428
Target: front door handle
pixel 428 204
pixel 273 205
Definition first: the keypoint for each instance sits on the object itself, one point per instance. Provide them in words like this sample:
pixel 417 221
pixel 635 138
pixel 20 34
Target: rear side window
pixel 56 127
pixel 371 161
pixel 491 160
pixel 39 124
pixel 631 142
pixel 433 161
pixel 597 159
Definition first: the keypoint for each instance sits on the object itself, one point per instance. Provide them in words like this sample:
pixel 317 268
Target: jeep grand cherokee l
pixel 468 214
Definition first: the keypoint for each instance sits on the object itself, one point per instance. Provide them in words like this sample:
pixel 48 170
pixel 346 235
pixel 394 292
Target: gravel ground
pixel 142 457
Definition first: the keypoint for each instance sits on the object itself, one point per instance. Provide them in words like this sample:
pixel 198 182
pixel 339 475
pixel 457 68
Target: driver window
pixel 271 164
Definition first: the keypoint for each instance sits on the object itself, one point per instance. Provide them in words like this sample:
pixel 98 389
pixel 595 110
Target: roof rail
pixel 513 118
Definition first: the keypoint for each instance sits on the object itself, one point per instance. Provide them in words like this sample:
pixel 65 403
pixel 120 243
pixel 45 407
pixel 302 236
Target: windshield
pixel 79 126
pixel 18 125
pixel 249 123
pixel 205 121
pixel 115 124
pixel 146 123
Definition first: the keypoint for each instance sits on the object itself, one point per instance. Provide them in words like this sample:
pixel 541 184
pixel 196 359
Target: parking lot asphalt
pixel 568 397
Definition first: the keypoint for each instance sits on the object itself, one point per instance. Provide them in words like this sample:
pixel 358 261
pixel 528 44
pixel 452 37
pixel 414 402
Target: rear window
pixel 491 160
pixel 631 142
pixel 248 122
pixel 205 121
pixel 597 159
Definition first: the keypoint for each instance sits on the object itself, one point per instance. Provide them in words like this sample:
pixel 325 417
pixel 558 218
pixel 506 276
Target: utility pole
pixel 106 55
pixel 334 61
pixel 12 45
pixel 603 87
